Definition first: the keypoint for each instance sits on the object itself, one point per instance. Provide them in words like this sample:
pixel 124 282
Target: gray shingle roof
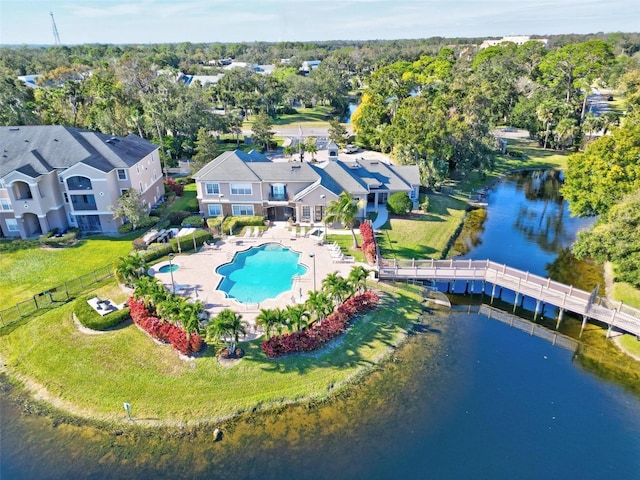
pixel 36 150
pixel 230 167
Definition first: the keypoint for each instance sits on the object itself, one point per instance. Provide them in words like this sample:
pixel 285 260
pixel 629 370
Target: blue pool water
pixel 260 273
pixel 168 268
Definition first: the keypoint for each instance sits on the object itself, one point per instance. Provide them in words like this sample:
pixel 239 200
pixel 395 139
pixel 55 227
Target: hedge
pixel 144 223
pixel 89 318
pixel 175 218
pixel 236 224
pixel 51 240
pixel 159 250
pixel 193 221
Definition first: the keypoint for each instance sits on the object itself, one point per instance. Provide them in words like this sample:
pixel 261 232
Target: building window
pixel 141 187
pixel 3 186
pixel 66 198
pixel 5 203
pixel 122 174
pixel 137 169
pixel 79 183
pixel 242 210
pixel 241 189
pixel 12 224
pixel 212 188
pixel 306 212
pixel 215 210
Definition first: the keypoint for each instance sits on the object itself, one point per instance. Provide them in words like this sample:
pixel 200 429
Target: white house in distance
pixel 519 40
pixel 59 177
pixel 244 184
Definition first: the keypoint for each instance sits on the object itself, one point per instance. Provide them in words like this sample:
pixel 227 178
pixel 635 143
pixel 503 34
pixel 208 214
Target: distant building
pixel 30 80
pixel 517 39
pixel 53 176
pixel 309 65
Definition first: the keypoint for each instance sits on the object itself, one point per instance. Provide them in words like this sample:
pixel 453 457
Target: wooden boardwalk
pixel 565 297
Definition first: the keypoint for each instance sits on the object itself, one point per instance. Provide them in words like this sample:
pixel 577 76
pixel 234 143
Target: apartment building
pixel 54 176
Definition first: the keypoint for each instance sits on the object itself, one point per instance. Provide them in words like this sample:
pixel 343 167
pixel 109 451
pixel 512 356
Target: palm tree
pixel 343 210
pixel 358 278
pixel 312 149
pixel 129 268
pixel 227 325
pixel 288 151
pixel 149 290
pixel 268 318
pixel 320 304
pixel 190 315
pixel 298 316
pixel 170 309
pixel 335 286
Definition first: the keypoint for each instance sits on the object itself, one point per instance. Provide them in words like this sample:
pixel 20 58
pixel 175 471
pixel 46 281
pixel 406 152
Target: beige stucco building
pixel 59 177
pixel 243 184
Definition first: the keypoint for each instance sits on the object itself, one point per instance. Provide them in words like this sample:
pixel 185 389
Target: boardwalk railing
pixel 565 297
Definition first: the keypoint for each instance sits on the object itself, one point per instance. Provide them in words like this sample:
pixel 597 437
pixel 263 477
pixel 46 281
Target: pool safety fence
pixel 54 296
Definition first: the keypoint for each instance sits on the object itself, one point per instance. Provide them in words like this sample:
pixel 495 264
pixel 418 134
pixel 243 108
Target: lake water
pixel 466 397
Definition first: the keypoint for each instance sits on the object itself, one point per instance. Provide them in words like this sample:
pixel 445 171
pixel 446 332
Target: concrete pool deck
pixel 196 276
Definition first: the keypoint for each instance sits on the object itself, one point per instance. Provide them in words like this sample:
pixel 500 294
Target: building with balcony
pixel 59 177
pixel 239 183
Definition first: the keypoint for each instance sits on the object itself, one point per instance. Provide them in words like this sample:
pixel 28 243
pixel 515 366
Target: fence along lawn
pixel 29 271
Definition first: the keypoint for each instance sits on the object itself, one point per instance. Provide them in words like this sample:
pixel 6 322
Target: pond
pixel 466 397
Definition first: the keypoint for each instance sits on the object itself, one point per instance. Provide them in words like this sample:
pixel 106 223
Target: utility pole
pixel 56 36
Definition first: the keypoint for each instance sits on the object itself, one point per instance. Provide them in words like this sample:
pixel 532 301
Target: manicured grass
pixel 163 388
pixel 187 201
pixel 31 270
pixel 346 245
pixel 423 235
pixel 306 117
pixel 631 344
pixel 627 294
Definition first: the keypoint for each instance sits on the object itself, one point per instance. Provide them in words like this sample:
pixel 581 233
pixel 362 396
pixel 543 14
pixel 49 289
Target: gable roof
pixel 231 166
pixel 40 149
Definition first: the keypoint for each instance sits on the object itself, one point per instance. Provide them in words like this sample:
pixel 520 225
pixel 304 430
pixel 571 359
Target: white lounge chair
pixel 303 232
pixel 247 232
pixel 294 232
pixel 256 231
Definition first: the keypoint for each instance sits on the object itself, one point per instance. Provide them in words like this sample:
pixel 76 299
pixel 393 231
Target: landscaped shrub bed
pixel 368 242
pixel 53 239
pixel 314 337
pixel 144 223
pixel 159 250
pixel 89 318
pixel 172 186
pixel 193 221
pixel 164 331
pixel 235 224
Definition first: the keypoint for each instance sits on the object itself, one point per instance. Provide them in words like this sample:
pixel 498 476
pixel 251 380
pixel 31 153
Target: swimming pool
pixel 168 268
pixel 260 273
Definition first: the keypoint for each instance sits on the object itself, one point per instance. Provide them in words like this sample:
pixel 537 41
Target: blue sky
pixel 164 21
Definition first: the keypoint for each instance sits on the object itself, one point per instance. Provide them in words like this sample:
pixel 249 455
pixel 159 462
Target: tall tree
pixel 344 210
pixel 262 131
pixel 131 208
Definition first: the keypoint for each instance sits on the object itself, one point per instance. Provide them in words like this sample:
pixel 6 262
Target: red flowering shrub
pixel 332 326
pixel 164 331
pixel 174 187
pixel 368 242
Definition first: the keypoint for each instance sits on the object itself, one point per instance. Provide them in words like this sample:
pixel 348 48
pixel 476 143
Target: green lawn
pixel 306 117
pixel 29 271
pixel 187 201
pixel 424 235
pixel 346 245
pixel 162 387
pixel 631 344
